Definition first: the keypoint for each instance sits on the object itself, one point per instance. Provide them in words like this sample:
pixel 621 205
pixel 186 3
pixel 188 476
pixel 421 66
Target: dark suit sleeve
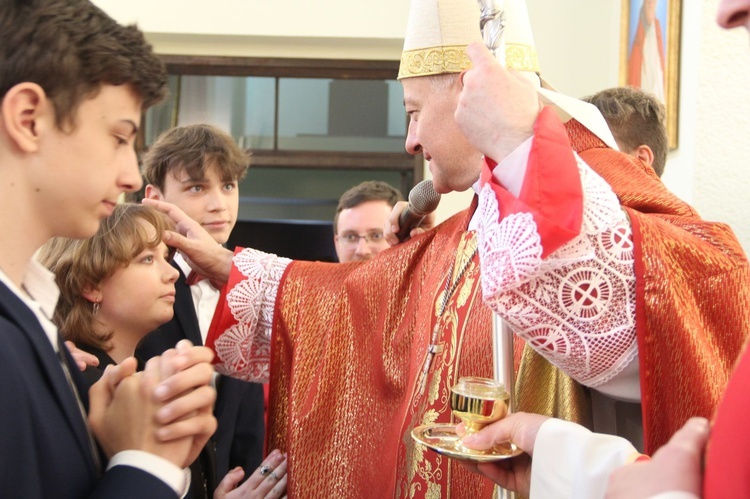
pixel 42 454
pixel 127 482
pixel 247 448
pixel 240 438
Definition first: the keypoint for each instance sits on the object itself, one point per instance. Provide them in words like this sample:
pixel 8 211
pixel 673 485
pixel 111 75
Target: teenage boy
pixel 198 168
pixel 73 85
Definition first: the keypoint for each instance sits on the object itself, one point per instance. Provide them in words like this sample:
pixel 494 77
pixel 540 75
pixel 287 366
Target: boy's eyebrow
pixel 132 124
pixel 191 180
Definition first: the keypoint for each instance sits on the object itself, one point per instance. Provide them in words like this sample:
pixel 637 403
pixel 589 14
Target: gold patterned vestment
pixel 346 378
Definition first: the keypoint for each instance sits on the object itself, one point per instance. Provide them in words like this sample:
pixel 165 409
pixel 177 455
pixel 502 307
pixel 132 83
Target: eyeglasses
pixel 352 239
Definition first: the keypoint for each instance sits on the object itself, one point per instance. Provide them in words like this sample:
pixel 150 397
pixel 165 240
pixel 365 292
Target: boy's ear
pixel 153 192
pixel 645 154
pixel 26 112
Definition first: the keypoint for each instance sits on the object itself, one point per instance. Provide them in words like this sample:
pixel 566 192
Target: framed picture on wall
pixel 650 53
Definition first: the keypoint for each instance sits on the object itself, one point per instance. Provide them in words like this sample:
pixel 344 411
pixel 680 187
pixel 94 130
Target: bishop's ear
pixel 26 111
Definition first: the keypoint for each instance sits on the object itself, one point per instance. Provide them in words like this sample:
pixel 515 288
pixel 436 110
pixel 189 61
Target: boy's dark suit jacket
pixel 44 448
pixel 203 480
pixel 239 405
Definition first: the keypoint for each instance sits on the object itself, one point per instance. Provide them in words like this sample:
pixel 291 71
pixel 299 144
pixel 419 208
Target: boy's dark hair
pixel 635 117
pixel 370 190
pixel 194 148
pixel 70 48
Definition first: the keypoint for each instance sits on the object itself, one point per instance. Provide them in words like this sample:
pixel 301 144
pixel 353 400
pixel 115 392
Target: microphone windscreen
pixel 423 199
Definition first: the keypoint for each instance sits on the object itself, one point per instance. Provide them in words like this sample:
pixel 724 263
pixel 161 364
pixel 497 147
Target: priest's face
pixel 734 13
pixel 431 102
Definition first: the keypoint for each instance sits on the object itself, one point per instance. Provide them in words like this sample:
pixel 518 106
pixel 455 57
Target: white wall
pixel 289 28
pixel 722 126
pixel 708 168
pixel 296 18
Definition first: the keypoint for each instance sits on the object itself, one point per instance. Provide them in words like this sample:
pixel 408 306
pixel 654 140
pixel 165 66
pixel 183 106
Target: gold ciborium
pixel 478 402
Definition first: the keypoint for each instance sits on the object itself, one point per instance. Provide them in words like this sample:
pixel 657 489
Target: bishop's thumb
pixel 479 55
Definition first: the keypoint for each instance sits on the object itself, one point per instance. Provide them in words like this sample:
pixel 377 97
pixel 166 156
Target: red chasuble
pixel 349 353
pixel 692 293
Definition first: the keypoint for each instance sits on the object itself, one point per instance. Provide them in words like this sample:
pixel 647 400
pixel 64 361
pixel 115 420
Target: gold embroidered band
pixel 453 59
pixel 433 61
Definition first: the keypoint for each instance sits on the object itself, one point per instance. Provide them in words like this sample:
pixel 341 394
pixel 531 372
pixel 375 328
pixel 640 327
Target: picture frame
pixel 639 49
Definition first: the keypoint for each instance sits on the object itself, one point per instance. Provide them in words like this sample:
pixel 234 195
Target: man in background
pixel 638 123
pixel 360 219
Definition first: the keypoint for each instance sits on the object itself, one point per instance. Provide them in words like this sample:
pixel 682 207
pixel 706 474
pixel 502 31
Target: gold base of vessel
pixel 442 438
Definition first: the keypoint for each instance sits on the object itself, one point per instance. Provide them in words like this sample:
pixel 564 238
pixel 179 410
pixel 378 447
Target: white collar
pixel 180 261
pixel 585 113
pixel 37 288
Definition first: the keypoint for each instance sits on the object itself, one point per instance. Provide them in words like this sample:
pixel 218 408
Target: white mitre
pixel 439 31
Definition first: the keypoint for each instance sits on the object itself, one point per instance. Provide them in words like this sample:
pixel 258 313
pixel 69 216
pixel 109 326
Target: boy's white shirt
pixel 205 298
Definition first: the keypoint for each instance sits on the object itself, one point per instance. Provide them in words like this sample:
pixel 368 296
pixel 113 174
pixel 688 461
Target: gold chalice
pixel 478 402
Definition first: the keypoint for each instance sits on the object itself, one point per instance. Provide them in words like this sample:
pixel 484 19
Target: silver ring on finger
pixel 264 470
pixel 273 474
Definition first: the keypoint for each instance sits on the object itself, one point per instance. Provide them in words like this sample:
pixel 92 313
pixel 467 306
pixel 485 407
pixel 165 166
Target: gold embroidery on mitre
pixel 453 59
pixel 433 61
pixel 521 58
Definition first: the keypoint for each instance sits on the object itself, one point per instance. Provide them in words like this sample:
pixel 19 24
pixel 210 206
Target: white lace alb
pixel 577 306
pixel 244 350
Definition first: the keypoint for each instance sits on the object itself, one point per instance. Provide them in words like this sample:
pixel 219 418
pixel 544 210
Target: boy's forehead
pixel 207 171
pixel 114 104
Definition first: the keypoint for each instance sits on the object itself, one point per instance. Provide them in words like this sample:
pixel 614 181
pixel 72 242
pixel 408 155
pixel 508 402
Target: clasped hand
pixel 166 410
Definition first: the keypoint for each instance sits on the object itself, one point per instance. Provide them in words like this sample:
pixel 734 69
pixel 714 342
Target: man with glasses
pixel 360 218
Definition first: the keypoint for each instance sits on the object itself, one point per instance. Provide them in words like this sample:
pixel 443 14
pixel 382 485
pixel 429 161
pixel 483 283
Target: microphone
pixel 423 200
